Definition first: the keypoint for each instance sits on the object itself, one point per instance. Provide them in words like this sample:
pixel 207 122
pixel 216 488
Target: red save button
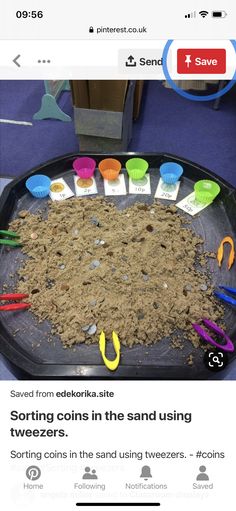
pixel 201 61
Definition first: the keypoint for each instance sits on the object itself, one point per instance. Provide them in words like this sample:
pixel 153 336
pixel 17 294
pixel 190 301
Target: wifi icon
pixel 203 14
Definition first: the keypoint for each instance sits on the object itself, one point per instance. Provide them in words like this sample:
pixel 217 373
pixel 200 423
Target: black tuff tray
pixel 33 356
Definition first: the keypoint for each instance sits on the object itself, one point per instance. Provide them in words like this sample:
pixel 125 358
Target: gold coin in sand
pixel 84 183
pixel 57 187
pixel 34 235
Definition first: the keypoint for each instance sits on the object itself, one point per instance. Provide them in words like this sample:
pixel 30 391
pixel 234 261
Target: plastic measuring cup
pixel 110 168
pixel 171 172
pixel 136 168
pixel 38 185
pixel 206 191
pixel 84 167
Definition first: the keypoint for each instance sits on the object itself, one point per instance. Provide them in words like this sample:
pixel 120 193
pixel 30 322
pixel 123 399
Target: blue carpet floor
pixel 167 122
pixel 24 147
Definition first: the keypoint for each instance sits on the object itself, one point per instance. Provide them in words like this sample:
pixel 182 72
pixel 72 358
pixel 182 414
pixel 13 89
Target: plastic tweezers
pixel 14 306
pixel 110 364
pixel 10 242
pixel 226 298
pixel 228 346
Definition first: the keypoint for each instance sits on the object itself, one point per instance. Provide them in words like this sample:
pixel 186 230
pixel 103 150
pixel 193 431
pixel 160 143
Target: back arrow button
pixel 15 60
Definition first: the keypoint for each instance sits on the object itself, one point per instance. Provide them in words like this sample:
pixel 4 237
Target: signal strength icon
pixel 190 15
pixel 203 14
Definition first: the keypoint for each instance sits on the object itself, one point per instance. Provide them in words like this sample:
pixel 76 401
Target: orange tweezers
pixel 220 252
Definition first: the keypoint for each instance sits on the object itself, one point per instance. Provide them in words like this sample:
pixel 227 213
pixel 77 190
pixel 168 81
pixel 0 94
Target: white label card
pixel 59 190
pixel 140 186
pixel 190 205
pixel 116 187
pixel 165 191
pixel 85 186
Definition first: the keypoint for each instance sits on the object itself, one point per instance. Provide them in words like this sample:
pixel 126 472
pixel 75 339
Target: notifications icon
pixel 146 472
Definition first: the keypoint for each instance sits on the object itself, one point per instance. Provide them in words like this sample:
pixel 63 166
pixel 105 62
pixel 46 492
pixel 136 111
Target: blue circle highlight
pixel 188 95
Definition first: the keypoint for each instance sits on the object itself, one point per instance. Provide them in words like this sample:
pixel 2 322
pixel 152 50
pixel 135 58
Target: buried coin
pixel 34 235
pixel 84 183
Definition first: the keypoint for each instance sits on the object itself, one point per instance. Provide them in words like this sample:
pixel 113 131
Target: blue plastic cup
pixel 171 172
pixel 38 185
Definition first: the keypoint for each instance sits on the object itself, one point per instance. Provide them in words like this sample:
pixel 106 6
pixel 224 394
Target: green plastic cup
pixel 136 168
pixel 206 191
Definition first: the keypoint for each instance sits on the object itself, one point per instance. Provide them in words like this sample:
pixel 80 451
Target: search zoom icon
pixel 215 360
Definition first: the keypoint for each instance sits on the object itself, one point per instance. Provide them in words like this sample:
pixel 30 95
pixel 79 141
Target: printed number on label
pixel 188 208
pixel 166 194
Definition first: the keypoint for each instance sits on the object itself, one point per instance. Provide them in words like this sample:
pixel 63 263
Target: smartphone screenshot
pixel 117 255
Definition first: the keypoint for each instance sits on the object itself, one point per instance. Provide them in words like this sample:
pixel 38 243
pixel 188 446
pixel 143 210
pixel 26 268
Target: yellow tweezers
pixel 110 364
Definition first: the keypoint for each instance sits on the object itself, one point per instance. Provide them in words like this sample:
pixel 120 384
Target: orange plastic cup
pixel 110 168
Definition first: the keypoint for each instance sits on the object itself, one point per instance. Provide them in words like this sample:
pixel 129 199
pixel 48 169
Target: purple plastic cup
pixel 84 167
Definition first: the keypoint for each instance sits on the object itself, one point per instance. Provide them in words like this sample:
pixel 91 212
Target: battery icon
pixel 219 14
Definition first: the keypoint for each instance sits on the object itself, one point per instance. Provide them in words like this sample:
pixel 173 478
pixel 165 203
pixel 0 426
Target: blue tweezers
pixel 226 298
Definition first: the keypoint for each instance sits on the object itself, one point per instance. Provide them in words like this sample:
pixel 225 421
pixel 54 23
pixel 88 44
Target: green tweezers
pixel 10 242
